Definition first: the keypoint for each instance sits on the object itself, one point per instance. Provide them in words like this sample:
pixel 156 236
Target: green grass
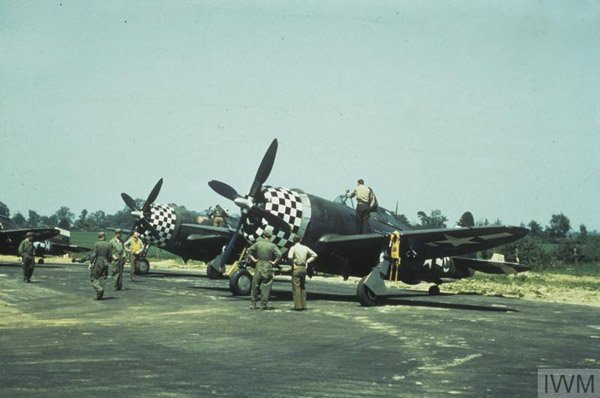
pixel 87 239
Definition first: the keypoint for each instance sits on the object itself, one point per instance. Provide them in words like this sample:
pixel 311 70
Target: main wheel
pixel 40 261
pixel 434 290
pixel 366 297
pixel 240 283
pixel 143 266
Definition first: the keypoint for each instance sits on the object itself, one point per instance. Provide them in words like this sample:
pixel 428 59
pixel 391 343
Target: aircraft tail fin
pixel 466 220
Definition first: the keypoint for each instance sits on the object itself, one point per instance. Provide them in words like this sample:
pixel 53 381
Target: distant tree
pixel 34 219
pixel 535 229
pixel 49 222
pixel 64 217
pixel 19 219
pixel 582 231
pixel 97 219
pixel 81 223
pixel 530 252
pixel 559 226
pixel 4 211
pixel 435 220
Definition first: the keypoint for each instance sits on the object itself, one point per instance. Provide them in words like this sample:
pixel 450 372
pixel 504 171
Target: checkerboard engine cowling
pixel 163 220
pixel 285 204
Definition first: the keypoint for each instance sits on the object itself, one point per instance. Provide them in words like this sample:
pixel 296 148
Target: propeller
pixel 249 207
pixel 144 211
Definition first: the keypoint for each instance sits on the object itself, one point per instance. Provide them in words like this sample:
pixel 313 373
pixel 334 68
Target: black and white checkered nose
pixel 285 204
pixel 163 218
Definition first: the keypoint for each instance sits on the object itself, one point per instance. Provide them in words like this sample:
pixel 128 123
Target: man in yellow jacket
pixel 134 246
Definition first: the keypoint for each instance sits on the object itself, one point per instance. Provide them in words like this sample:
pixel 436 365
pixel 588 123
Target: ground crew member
pixel 118 259
pixel 364 196
pixel 301 256
pixel 134 246
pixel 265 254
pixel 218 216
pixel 99 259
pixel 27 253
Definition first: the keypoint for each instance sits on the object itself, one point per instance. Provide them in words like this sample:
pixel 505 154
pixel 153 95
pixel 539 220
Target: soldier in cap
pixel 218 217
pixel 118 259
pixel 134 246
pixel 265 254
pixel 27 253
pixel 99 259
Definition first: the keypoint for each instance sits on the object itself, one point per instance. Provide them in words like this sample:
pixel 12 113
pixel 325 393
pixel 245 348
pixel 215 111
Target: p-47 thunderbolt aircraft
pixel 46 241
pixel 390 250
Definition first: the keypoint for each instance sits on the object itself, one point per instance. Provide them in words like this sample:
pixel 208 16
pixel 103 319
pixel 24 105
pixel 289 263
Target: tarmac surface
pixel 181 334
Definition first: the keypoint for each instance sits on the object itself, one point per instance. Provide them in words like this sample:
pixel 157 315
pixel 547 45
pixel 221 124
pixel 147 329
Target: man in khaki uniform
pixel 301 256
pixel 364 196
pixel 265 254
pixel 134 246
pixel 118 259
pixel 27 253
pixel 218 216
pixel 99 260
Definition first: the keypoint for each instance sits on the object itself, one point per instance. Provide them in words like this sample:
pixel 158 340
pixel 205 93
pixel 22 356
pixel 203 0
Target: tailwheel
pixel 240 283
pixel 143 266
pixel 434 290
pixel 366 297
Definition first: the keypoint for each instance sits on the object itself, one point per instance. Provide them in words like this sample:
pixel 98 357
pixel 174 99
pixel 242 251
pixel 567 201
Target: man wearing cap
pixel 265 254
pixel 218 216
pixel 27 253
pixel 99 259
pixel 134 246
pixel 118 259
pixel 364 196
pixel 301 256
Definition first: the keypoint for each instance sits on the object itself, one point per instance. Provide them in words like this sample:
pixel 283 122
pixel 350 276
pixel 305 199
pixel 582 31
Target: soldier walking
pixel 27 253
pixel 118 259
pixel 134 246
pixel 99 260
pixel 265 254
pixel 301 256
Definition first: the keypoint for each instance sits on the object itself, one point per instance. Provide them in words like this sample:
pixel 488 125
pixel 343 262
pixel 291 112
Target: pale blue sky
pixel 491 106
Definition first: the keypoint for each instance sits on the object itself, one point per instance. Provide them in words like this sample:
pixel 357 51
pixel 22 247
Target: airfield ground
pixel 177 333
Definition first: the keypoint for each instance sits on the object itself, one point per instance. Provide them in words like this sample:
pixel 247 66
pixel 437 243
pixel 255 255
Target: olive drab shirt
pixel 264 251
pixel 101 253
pixel 118 248
pixel 26 248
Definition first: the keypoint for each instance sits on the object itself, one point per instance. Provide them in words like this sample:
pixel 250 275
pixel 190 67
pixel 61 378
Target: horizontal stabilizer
pixel 489 266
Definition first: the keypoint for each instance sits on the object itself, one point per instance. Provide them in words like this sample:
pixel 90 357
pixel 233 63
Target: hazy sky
pixel 490 106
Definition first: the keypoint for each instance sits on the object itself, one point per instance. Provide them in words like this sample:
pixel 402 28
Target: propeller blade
pixel 129 202
pixel 266 165
pixel 150 228
pixel 224 257
pixel 223 189
pixel 271 218
pixel 153 195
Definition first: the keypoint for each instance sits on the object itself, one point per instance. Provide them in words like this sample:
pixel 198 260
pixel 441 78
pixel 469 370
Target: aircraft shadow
pixel 154 274
pixel 403 299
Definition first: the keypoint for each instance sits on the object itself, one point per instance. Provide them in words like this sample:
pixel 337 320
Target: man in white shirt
pixel 301 256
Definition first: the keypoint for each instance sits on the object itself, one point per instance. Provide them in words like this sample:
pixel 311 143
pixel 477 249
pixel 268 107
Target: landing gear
pixel 40 261
pixel 366 297
pixel 240 282
pixel 143 266
pixel 434 290
pixel 212 273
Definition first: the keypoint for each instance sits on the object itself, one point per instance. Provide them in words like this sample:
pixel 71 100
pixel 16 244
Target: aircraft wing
pixel 17 235
pixel 426 244
pixel 489 266
pixel 59 248
pixel 198 229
